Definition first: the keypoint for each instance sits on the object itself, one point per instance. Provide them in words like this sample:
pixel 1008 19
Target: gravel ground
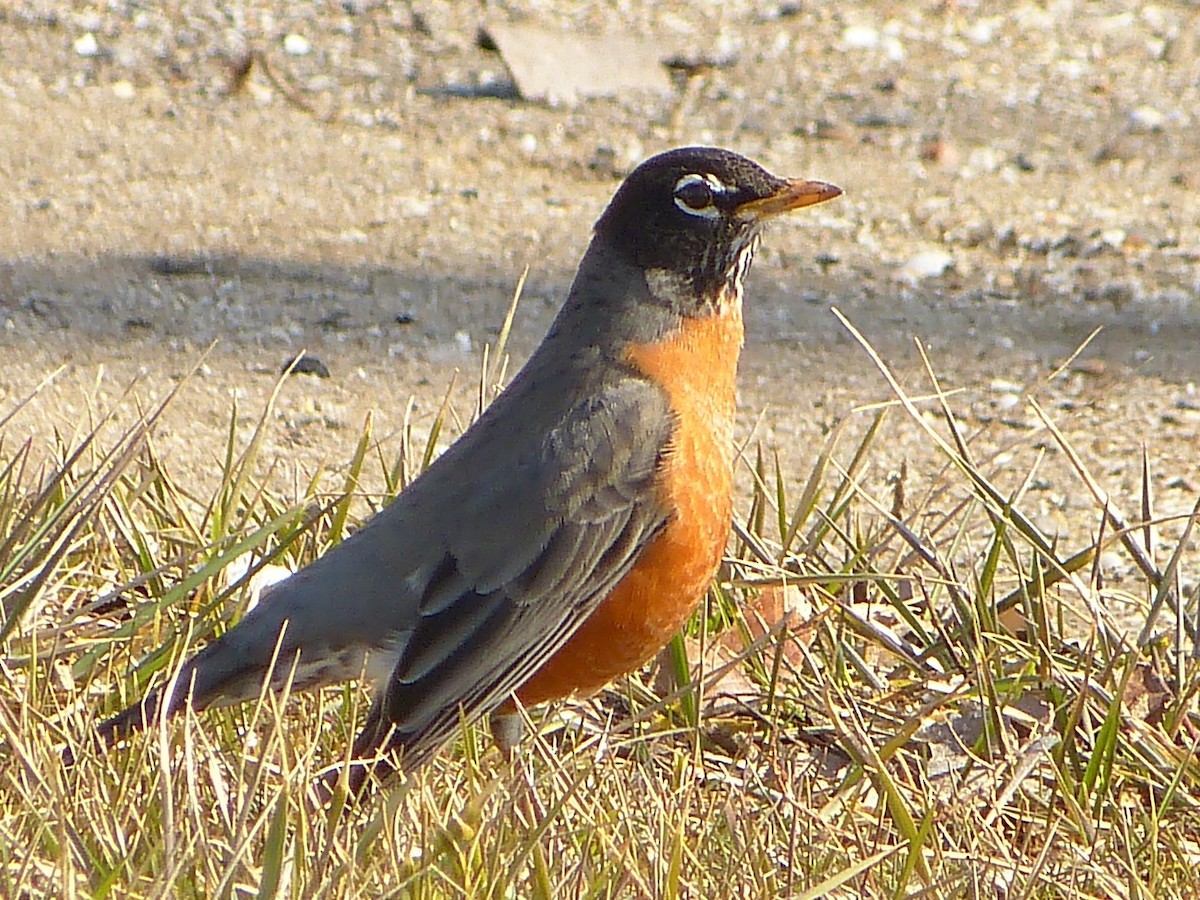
pixel 358 180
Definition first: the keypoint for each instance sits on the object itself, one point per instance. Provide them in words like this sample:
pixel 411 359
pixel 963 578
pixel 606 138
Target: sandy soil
pixel 1016 176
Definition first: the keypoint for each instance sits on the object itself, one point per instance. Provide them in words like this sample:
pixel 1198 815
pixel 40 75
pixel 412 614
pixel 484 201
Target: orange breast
pixel 697 367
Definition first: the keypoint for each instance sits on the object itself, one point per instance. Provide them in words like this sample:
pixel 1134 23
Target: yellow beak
pixel 793 195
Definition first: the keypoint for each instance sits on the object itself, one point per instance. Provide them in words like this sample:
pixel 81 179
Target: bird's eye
pixel 694 192
pixel 694 195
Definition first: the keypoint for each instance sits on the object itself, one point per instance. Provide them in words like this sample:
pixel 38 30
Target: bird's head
pixel 695 214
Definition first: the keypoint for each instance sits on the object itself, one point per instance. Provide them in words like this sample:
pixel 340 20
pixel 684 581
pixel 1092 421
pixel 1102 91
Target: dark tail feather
pixel 132 718
pixel 366 760
pixel 199 683
pixel 136 717
pixel 379 754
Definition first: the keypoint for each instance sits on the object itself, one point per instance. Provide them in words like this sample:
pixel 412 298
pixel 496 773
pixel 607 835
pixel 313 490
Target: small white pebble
pixel 413 207
pixel 529 144
pixel 296 45
pixel 981 31
pixel 463 340
pixel 1071 69
pixel 87 45
pixel 927 264
pixel 124 90
pixel 1114 237
pixel 1146 119
pixel 983 160
pixel 860 37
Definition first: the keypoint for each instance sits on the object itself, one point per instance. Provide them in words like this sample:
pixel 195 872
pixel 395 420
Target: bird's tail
pixel 193 685
pixel 135 717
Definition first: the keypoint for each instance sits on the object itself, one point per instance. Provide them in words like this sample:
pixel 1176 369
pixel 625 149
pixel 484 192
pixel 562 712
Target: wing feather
pixel 487 625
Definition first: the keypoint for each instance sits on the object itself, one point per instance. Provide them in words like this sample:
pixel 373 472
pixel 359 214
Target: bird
pixel 571 530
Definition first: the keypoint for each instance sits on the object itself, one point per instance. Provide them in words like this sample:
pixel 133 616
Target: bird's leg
pixel 508 729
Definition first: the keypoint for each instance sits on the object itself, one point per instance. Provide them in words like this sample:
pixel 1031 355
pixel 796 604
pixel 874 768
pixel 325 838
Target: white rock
pixel 1146 119
pixel 983 161
pixel 860 37
pixel 260 581
pixel 927 264
pixel 1114 237
pixel 1071 69
pixel 1112 563
pixel 296 45
pixel 414 207
pixel 982 30
pixel 87 45
pixel 124 90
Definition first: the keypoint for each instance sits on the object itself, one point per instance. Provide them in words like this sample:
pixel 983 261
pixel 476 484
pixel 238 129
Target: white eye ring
pixel 714 185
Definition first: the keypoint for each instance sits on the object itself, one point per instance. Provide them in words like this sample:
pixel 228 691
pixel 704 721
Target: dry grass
pixel 922 724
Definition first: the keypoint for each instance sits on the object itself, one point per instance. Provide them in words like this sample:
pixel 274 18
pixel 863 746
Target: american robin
pixel 570 531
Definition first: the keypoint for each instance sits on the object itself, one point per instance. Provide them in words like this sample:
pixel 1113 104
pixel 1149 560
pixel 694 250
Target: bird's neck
pixel 614 302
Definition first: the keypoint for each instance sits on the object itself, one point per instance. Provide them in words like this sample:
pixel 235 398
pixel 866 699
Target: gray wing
pixel 533 551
